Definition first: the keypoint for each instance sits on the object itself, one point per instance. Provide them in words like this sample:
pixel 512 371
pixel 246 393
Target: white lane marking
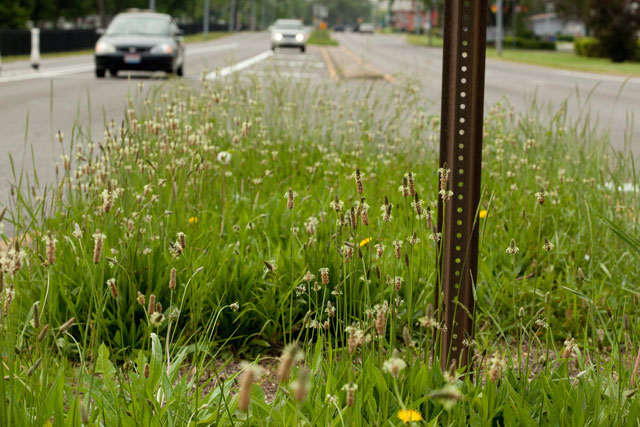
pixel 205 49
pixel 54 72
pixel 223 72
pixel 285 74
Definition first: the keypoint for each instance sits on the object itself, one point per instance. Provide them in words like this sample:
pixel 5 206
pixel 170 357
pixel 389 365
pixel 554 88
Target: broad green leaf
pixel 103 364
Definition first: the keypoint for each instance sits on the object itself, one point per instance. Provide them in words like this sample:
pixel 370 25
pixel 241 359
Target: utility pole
pixel 499 29
pixel 103 17
pixel 549 7
pixel 232 16
pixel 430 26
pixel 514 21
pixel 205 20
pixel 152 5
pixel 263 15
pixel 253 15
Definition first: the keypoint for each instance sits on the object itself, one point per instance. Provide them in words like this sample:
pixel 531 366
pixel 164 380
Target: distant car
pixel 288 33
pixel 338 28
pixel 140 41
pixel 367 28
pixel 348 28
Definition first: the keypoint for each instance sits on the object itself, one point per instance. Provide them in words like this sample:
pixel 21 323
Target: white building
pixel 550 24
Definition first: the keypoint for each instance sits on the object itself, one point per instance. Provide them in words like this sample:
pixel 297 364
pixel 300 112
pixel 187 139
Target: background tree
pixel 573 8
pixel 615 23
pixel 14 13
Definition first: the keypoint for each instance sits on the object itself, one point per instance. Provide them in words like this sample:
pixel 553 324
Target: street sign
pixel 320 11
pixel 461 152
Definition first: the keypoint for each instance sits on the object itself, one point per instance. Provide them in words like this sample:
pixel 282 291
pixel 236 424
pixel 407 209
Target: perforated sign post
pixel 465 23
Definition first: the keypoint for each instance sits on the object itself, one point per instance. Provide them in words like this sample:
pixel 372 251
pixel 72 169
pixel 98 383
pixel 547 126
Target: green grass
pixel 199 37
pixel 423 40
pixel 195 182
pixel 568 61
pixel 191 38
pixel 563 60
pixel 321 38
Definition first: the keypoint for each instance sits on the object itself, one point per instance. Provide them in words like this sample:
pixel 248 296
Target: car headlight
pixel 162 48
pixel 299 37
pixel 277 37
pixel 103 47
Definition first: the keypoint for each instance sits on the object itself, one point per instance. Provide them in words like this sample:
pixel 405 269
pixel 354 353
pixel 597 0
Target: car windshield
pixel 141 25
pixel 290 25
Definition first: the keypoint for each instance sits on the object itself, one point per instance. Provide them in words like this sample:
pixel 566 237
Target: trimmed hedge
pixel 565 38
pixel 592 48
pixel 527 43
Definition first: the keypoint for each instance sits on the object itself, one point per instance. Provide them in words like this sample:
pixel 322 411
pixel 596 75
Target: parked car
pixel 338 28
pixel 367 28
pixel 140 41
pixel 288 33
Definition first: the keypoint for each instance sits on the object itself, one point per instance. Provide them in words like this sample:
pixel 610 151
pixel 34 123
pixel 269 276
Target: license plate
pixel 131 58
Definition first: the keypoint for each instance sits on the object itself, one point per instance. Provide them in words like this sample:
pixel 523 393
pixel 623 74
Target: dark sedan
pixel 140 41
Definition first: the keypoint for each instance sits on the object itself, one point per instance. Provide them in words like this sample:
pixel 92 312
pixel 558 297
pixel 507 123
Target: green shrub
pixel 527 43
pixel 589 47
pixel 592 48
pixel 565 38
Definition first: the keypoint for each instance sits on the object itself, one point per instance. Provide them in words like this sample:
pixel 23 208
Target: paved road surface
pixel 611 98
pixel 69 85
pixel 77 97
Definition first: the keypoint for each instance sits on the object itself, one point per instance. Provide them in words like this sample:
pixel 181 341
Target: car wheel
pixel 180 71
pixel 303 48
pixel 113 72
pixel 100 72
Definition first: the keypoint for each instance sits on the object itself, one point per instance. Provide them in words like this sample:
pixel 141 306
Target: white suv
pixel 288 33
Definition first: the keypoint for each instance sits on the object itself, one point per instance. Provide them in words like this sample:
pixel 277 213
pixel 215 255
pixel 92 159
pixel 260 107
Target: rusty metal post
pixel 465 23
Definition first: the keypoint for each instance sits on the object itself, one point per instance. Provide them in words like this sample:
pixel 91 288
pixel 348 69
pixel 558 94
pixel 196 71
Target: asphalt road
pixel 64 95
pixel 608 100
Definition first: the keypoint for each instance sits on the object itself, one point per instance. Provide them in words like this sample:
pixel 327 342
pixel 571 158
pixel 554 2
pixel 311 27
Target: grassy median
pixel 291 226
pixel 554 59
pixel 322 38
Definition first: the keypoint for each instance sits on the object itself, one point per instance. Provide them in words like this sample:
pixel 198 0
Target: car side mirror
pixel 179 32
pixel 100 31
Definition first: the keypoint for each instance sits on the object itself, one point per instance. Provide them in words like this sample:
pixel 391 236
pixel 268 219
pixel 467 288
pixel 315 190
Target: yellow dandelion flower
pixel 409 415
pixel 193 220
pixel 365 241
pixel 482 214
